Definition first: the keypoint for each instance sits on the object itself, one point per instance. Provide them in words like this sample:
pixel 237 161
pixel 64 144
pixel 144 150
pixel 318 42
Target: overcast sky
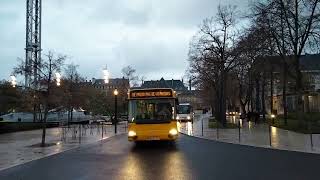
pixel 150 35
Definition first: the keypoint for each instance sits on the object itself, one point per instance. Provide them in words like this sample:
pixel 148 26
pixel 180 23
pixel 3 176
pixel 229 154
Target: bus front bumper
pixel 152 135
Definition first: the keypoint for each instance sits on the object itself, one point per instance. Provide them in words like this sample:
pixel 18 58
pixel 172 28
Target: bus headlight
pixel 188 117
pixel 173 132
pixel 177 117
pixel 132 134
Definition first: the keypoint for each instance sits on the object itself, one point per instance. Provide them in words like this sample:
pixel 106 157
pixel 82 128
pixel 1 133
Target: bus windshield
pixel 151 111
pixel 184 109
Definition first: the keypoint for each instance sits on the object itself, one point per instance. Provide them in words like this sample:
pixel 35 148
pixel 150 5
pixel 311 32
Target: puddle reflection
pixel 189 128
pixel 140 163
pixel 185 127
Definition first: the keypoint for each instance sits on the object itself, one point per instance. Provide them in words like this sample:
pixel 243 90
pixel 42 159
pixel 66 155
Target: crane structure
pixel 33 43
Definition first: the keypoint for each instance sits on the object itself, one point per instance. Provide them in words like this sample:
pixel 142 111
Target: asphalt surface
pixel 188 158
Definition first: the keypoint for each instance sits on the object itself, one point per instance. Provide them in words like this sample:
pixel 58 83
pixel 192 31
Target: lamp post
pixel 115 92
pixel 58 79
pixel 106 75
pixel 13 81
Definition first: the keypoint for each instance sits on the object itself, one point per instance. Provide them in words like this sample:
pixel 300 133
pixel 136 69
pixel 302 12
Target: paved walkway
pixel 20 147
pixel 254 135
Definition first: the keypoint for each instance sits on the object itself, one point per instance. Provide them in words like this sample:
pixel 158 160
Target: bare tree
pixel 45 82
pixel 72 79
pixel 294 25
pixel 212 54
pixel 252 47
pixel 142 79
pixel 130 74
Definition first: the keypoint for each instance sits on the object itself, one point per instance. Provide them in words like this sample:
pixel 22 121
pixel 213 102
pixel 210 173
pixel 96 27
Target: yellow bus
pixel 152 114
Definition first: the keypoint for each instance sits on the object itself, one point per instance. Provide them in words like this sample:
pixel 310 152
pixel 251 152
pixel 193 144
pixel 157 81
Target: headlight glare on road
pixel 132 134
pixel 173 132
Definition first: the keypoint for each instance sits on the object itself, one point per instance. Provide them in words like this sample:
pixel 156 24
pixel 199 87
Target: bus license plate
pixel 153 138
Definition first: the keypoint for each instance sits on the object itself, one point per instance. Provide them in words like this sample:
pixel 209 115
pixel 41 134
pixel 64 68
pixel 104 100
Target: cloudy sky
pixel 150 35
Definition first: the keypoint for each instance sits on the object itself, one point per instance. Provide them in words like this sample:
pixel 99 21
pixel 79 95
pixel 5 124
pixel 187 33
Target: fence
pixel 79 132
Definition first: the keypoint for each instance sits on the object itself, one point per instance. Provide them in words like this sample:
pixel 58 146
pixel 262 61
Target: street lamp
pixel 115 93
pixel 106 75
pixel 273 116
pixel 58 79
pixel 13 81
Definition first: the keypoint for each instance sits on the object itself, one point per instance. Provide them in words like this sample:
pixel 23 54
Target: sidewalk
pixel 20 147
pixel 254 135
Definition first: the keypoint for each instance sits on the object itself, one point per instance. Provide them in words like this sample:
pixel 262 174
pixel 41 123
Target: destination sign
pixel 151 93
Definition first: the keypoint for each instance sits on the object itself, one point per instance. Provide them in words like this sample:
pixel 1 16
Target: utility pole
pixel 33 42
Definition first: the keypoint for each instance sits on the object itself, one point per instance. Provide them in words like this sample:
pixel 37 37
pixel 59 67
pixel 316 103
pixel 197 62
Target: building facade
pixel 121 84
pixel 310 69
pixel 185 95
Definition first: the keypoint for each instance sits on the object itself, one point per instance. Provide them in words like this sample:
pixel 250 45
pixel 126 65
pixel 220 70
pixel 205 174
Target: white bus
pixel 185 112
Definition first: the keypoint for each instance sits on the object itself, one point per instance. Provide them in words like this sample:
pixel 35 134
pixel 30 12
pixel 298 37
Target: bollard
pixel 239 130
pixel 102 131
pixel 65 133
pixel 61 133
pixel 74 133
pixel 310 132
pixel 311 141
pixel 270 140
pixel 217 129
pixel 201 126
pixel 79 133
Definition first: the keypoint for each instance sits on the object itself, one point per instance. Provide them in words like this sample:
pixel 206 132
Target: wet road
pixel 189 158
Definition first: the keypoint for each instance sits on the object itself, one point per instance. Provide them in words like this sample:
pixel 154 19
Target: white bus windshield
pixel 184 109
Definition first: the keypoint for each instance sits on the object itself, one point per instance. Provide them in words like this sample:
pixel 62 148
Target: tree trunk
pixel 217 106
pixel 46 106
pixel 34 113
pixel 271 92
pixel 251 95
pixel 223 99
pixel 71 113
pixel 299 89
pixel 242 104
pixel 284 93
pixel 243 108
pixel 263 100
pixel 44 127
pixel 257 96
pixel 44 121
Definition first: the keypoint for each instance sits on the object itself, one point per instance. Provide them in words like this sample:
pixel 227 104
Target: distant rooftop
pixel 114 81
pixel 176 85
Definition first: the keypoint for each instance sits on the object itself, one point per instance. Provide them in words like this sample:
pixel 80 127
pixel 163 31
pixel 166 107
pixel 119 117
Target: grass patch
pixel 214 125
pixel 314 116
pixel 306 126
pixel 212 119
